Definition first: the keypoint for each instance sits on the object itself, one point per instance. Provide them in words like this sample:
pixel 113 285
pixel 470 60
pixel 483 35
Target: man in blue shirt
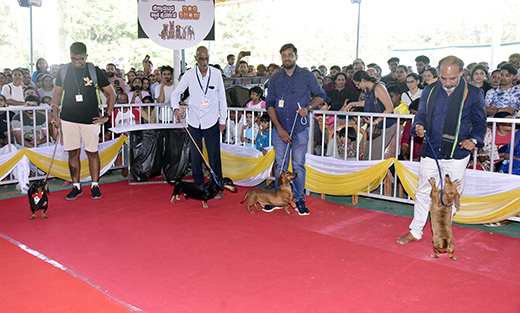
pixel 453 115
pixel 288 102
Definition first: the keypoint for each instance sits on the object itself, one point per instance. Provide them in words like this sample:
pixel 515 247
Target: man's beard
pixel 111 74
pixel 290 66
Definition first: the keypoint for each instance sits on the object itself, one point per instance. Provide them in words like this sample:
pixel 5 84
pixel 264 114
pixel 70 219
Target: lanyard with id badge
pixel 205 100
pixel 79 96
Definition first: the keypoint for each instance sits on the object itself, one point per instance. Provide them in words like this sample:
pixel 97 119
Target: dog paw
pixel 33 216
pixel 453 258
pixel 434 256
pixel 44 216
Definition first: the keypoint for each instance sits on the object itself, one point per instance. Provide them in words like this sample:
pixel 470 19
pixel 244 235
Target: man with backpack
pixel 77 86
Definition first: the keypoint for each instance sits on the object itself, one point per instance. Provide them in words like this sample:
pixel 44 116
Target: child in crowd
pixel 346 143
pixel 257 99
pixel 248 130
pixel 147 112
pixel 265 135
pixel 232 125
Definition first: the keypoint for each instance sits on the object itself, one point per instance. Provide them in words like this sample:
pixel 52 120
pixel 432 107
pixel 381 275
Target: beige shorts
pixel 75 133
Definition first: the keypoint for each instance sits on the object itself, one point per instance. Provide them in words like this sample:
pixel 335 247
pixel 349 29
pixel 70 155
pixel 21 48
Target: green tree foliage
pixel 109 29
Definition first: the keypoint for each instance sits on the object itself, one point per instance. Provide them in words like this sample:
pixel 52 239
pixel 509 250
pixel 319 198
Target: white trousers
pixel 428 169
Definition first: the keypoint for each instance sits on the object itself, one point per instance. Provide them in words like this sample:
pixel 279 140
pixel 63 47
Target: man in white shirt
pixel 164 91
pixel 207 114
pixel 158 78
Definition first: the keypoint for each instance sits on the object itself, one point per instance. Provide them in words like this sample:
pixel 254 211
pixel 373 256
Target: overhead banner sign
pixel 176 24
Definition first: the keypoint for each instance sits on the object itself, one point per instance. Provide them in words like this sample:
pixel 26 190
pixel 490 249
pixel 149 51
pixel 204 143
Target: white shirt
pixel 229 70
pixel 407 96
pixel 10 91
pixel 167 92
pixel 207 99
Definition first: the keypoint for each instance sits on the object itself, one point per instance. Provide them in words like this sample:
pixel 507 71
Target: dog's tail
pixel 245 196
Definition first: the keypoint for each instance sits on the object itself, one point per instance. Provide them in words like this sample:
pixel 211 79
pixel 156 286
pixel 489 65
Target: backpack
pixel 91 70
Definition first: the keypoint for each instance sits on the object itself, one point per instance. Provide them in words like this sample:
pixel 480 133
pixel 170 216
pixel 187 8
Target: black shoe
pixel 301 208
pixel 270 208
pixel 74 193
pixel 95 193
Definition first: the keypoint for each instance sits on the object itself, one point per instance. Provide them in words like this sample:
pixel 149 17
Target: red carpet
pixel 162 257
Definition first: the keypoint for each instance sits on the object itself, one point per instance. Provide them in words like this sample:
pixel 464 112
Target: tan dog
pixel 441 216
pixel 281 197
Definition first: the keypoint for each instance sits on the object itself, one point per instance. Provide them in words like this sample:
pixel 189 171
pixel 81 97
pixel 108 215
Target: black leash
pixel 436 161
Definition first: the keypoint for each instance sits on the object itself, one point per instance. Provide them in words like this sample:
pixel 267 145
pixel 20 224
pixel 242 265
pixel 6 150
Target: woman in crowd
pixel 412 81
pixel 377 101
pixel 340 96
pixel 47 88
pixel 3 115
pixel 146 85
pixel 130 78
pixel 430 76
pixel 13 92
pixel 256 94
pixel 320 81
pixel 494 80
pixel 502 140
pixel 41 68
pixel 3 81
pixel 39 81
pixel 401 72
pixel 478 76
pixel 137 94
pixel 147 112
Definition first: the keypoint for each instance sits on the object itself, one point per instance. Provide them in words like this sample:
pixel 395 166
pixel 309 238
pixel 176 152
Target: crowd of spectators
pixel 354 87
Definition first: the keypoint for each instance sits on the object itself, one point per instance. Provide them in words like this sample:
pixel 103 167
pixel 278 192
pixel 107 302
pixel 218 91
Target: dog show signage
pixel 176 24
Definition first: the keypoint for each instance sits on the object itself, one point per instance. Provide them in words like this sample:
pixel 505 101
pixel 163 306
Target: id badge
pixel 280 103
pixel 205 102
pixel 79 98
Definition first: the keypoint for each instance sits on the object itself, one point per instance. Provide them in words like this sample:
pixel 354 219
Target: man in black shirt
pixel 79 114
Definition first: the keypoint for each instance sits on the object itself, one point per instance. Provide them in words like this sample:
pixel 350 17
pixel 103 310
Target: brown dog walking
pixel 282 197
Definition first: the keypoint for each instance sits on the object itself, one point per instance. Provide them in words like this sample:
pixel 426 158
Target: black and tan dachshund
pixel 202 192
pixel 38 199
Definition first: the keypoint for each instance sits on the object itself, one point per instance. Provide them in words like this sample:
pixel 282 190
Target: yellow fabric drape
pixel 9 164
pixel 474 210
pixel 239 168
pixel 60 169
pixel 350 184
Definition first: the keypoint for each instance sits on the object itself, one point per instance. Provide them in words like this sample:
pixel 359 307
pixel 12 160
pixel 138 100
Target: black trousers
pixel 212 138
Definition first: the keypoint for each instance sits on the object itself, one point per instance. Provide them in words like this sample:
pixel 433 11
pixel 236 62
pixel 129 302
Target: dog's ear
pixel 280 179
pixel 433 183
pixel 456 201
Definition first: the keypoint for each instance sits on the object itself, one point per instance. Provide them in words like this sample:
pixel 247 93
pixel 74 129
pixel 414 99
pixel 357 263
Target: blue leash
pixel 436 161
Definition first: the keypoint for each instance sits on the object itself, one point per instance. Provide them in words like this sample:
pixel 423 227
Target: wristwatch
pixel 106 115
pixel 474 141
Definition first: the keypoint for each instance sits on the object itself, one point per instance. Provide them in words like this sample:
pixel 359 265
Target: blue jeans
pixel 298 149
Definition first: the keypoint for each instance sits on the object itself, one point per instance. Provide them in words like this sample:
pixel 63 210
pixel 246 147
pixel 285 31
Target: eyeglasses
pixel 410 81
pixel 77 59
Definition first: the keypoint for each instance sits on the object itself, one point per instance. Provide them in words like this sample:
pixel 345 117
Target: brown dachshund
pixel 441 216
pixel 281 197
